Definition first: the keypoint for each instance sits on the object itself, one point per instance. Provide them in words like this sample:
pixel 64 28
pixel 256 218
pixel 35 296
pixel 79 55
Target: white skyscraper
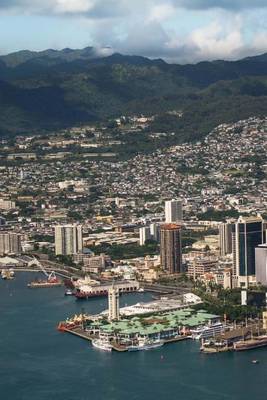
pixel 113 304
pixel 173 211
pixel 68 239
pixel 261 264
pixel 155 232
pixel 10 243
pixel 144 235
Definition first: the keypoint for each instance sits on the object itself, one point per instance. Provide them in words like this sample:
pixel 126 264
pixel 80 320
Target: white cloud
pixel 161 12
pixel 73 6
pixel 153 27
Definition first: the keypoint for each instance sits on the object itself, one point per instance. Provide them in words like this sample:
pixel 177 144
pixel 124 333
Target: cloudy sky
pixel 176 30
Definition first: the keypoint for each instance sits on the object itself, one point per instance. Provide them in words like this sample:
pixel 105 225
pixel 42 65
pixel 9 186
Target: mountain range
pixel 49 90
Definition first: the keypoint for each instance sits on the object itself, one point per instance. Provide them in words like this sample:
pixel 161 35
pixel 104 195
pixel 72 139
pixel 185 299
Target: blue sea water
pixel 39 363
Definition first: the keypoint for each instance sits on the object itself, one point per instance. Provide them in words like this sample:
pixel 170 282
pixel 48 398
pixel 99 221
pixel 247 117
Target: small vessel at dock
pixel 146 344
pixel 253 343
pixel 102 344
pixel 7 274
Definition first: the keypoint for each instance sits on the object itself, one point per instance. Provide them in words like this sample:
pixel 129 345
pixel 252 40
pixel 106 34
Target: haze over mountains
pixel 52 89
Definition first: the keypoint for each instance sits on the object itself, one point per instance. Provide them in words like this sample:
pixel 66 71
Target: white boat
pixel 7 274
pixel 146 344
pixel 4 274
pixel 68 292
pixel 102 344
pixel 11 272
pixel 207 331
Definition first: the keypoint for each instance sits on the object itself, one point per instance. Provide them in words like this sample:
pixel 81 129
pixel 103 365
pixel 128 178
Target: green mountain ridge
pixel 49 90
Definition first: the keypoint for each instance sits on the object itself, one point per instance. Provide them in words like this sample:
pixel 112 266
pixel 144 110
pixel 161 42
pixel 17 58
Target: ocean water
pixel 39 363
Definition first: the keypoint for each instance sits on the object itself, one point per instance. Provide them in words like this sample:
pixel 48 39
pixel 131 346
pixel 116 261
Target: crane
pixel 50 277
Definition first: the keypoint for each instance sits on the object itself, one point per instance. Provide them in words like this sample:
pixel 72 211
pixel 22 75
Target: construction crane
pixel 50 277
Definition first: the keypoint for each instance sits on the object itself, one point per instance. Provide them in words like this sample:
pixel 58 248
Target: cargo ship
pixel 44 284
pixel 253 343
pixel 51 281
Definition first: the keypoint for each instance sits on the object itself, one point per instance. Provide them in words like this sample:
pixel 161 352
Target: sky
pixel 180 31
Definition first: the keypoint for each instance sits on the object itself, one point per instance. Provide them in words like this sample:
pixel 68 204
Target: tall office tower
pixel 144 235
pixel 173 211
pixel 261 264
pixel 113 304
pixel 10 243
pixel 225 236
pixel 155 232
pixel 247 235
pixel 171 248
pixel 68 239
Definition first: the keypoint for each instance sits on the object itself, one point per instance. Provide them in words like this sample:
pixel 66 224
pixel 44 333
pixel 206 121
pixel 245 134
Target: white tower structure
pixel 68 239
pixel 144 235
pixel 113 304
pixel 173 211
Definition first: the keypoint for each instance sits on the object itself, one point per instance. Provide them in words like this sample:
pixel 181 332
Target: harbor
pixel 85 367
pixel 143 330
pixel 148 326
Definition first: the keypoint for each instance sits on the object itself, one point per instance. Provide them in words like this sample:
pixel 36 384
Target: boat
pixel 68 292
pixel 207 331
pixel 254 343
pixel 102 344
pixel 51 281
pixel 255 361
pixel 146 344
pixel 43 284
pixel 7 274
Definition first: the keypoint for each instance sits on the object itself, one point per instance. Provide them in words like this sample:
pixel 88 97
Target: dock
pixel 81 333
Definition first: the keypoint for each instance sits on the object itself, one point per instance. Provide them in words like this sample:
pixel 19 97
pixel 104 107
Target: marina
pixel 26 359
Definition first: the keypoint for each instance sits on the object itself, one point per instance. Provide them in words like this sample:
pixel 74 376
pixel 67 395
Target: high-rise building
pixel 10 243
pixel 171 248
pixel 68 239
pixel 155 232
pixel 113 304
pixel 247 235
pixel 225 237
pixel 173 211
pixel 261 264
pixel 144 235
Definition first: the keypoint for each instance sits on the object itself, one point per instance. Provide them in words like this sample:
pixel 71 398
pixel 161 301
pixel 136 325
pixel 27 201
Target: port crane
pixel 50 277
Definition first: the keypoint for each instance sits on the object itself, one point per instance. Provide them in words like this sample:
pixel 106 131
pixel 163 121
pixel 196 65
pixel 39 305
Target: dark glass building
pixel 171 248
pixel 247 235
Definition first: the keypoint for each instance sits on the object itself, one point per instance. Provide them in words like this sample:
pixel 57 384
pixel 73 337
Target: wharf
pixel 80 332
pixel 214 350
